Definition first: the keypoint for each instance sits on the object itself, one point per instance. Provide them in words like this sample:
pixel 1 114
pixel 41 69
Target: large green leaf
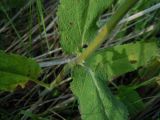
pixel 95 99
pixel 124 58
pixel 77 22
pixel 16 70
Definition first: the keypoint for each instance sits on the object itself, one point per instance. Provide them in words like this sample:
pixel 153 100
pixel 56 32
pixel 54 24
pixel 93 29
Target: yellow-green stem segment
pixel 106 29
pixel 98 40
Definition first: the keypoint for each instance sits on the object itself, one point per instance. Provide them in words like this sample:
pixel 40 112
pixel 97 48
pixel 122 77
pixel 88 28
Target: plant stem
pixel 106 30
pixel 102 34
pixel 45 85
pixel 61 75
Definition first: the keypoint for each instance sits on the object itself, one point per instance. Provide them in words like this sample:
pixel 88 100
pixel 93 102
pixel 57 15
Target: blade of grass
pixel 41 16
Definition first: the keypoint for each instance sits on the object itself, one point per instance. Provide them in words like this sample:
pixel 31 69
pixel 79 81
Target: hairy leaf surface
pixel 95 99
pixel 16 70
pixel 77 22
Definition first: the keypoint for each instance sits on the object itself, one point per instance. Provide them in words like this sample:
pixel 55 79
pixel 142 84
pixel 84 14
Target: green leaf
pixel 131 99
pixel 77 22
pixel 16 70
pixel 150 70
pixel 95 99
pixel 124 58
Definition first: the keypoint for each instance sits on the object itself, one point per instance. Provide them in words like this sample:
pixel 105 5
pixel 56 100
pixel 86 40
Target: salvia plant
pixel 93 68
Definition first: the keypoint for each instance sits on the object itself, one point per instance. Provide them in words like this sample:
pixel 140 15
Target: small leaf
pixel 95 99
pixel 131 99
pixel 16 70
pixel 150 70
pixel 124 58
pixel 77 22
